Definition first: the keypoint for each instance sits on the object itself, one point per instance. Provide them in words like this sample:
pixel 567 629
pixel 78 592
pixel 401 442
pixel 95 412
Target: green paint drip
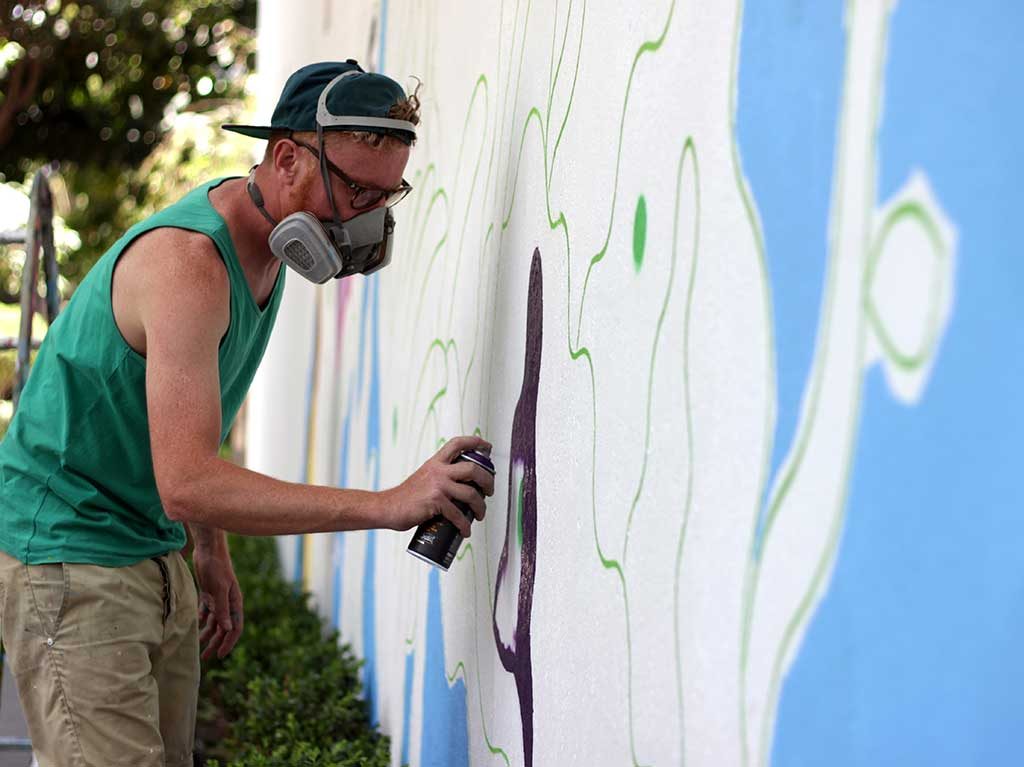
pixel 639 232
pixel 394 425
pixel 519 525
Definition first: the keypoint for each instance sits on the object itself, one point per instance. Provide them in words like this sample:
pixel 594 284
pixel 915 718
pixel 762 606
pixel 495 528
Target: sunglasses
pixel 363 196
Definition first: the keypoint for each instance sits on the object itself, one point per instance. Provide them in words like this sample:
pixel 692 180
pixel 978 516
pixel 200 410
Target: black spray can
pixel 437 540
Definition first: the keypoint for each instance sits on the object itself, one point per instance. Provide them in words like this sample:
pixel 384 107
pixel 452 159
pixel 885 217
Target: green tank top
pixel 76 474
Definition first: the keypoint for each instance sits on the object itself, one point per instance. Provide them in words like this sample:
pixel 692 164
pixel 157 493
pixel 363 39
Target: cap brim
pixel 255 131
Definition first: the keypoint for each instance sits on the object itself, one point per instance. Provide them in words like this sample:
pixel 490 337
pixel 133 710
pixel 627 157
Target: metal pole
pixel 38 237
pixel 50 270
pixel 29 278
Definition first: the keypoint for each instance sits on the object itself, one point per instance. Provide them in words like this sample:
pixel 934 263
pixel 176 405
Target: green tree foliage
pixel 92 87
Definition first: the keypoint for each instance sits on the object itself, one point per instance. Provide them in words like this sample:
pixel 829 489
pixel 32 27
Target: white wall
pixel 603 136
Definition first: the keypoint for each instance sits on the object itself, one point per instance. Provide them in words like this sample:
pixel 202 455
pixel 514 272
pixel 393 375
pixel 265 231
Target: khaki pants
pixel 106 660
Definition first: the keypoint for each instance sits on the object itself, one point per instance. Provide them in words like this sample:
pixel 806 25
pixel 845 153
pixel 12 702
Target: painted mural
pixel 732 291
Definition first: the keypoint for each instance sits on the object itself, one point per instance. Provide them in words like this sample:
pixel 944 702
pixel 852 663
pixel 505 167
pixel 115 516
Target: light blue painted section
pixel 364 349
pixel 410 665
pixel 300 543
pixel 338 564
pixel 445 741
pixel 370 317
pixel 300 548
pixel 339 538
pixel 914 654
pixel 373 441
pixel 370 628
pixel 373 437
pixel 788 109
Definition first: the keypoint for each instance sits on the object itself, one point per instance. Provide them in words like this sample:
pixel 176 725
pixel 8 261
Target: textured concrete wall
pixel 734 291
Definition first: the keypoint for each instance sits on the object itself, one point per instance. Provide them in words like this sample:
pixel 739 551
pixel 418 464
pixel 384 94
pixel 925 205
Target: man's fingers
pixel 229 640
pixel 206 624
pixel 220 632
pixel 235 602
pixel 214 642
pixel 455 446
pixel 467 471
pixel 237 622
pixel 469 496
pixel 452 513
pixel 207 631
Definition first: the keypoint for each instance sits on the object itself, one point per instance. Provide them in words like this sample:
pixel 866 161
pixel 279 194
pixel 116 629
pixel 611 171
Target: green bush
pixel 288 695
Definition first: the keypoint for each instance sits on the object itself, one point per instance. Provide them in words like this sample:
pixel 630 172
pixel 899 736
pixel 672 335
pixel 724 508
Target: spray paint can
pixel 437 540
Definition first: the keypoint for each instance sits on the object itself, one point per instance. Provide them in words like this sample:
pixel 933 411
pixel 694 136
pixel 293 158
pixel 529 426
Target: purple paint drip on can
pixel 437 540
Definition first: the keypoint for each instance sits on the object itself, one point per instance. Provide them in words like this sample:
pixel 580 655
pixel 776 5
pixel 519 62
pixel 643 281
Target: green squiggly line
pixel 648 47
pixel 908 361
pixel 798 618
pixel 481 81
pixel 609 564
pixel 533 113
pixel 472 353
pixel 439 194
pixel 455 672
pixel 572 90
pixel 544 122
pixel 654 354
pixel 558 69
pixel 688 503
pixel 467 548
pixel 519 73
pixel 582 351
pixel 426 276
pixel 436 343
pixel 552 76
pixel 483 142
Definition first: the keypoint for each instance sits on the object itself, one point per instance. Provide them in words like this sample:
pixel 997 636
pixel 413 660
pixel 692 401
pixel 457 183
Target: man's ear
pixel 286 162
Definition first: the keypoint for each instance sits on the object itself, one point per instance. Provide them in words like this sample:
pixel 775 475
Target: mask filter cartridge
pixel 297 253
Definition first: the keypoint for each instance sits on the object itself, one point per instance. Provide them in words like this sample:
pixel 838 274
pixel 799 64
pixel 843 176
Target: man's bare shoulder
pixel 170 281
pixel 176 255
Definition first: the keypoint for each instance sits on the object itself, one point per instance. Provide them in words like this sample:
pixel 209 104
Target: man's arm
pixel 181 293
pixel 221 603
pixel 205 538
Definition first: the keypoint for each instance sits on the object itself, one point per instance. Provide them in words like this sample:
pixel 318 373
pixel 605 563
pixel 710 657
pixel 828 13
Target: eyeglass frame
pixel 402 190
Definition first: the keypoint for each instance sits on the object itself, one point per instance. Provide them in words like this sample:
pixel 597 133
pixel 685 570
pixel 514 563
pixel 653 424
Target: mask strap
pixel 256 196
pixel 325 174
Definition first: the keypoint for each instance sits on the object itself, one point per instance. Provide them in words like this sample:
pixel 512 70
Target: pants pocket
pixel 47 589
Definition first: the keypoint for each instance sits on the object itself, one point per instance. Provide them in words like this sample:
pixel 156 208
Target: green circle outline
pixel 906 360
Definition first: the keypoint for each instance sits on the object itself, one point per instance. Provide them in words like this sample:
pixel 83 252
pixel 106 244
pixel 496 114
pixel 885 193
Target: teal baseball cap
pixel 335 95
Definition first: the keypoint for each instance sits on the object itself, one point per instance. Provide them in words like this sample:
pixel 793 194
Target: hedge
pixel 288 695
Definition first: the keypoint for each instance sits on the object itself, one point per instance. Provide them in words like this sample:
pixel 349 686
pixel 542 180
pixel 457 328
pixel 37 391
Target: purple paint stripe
pixel 523 451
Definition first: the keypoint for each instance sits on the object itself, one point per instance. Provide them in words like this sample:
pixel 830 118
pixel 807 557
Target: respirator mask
pixel 320 250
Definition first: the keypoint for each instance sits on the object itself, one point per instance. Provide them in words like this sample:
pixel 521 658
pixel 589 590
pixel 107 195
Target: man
pixel 113 450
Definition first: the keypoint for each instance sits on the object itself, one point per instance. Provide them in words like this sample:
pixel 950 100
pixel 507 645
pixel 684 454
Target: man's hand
pixel 220 601
pixel 430 490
